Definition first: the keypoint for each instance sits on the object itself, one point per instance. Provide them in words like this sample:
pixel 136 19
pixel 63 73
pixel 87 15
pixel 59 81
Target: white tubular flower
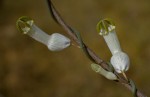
pixel 119 60
pixel 54 42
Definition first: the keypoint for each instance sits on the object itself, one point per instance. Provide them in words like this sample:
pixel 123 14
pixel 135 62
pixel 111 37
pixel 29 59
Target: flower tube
pixel 54 42
pixel 119 60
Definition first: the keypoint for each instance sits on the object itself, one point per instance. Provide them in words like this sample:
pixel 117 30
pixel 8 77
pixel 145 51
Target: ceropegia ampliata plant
pixel 120 60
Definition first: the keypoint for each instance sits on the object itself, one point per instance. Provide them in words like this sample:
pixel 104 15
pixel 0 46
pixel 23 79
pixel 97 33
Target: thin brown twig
pixel 97 60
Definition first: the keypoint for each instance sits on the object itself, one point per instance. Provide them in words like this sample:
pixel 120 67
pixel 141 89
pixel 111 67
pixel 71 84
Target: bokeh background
pixel 29 69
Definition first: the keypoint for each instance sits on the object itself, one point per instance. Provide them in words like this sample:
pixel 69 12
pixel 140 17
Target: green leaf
pixel 109 75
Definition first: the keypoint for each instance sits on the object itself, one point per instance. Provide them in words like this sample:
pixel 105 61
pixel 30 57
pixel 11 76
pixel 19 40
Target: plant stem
pixel 97 59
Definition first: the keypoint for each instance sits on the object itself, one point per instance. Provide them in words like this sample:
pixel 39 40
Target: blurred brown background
pixel 29 69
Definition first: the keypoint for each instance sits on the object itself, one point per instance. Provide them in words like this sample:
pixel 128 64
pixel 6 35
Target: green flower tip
pixel 105 26
pixel 24 24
